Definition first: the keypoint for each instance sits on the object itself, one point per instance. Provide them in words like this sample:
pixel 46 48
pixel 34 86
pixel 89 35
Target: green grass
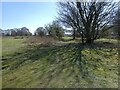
pixel 67 37
pixel 69 65
pixel 11 45
pixel 115 41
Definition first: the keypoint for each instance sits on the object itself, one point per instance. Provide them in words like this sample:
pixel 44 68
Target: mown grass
pixel 68 65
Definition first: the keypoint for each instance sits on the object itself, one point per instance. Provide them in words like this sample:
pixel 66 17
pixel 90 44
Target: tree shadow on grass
pixel 62 57
pixel 66 54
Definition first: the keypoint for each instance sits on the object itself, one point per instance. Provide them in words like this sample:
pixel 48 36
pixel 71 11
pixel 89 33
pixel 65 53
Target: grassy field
pixel 59 65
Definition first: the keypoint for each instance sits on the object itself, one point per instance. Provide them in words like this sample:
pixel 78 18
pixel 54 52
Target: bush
pixel 55 30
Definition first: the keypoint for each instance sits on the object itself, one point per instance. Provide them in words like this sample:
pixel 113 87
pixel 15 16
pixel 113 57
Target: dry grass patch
pixel 37 40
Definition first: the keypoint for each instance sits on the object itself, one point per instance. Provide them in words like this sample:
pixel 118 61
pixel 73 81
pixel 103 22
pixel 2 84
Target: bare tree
pixel 116 21
pixel 88 18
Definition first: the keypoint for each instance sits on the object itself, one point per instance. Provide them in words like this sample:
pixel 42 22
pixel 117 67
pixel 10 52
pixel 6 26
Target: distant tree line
pixel 53 29
pixel 16 32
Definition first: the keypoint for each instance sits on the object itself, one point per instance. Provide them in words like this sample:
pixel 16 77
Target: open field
pixel 30 64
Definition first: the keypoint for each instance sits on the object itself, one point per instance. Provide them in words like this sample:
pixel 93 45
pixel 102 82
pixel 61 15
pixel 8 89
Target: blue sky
pixel 27 14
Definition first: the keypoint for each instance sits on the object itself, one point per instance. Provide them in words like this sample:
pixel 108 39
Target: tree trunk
pixel 73 34
pixel 89 40
pixel 82 39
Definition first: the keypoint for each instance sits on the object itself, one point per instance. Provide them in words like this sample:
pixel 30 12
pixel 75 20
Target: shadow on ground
pixel 68 53
pixel 87 58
